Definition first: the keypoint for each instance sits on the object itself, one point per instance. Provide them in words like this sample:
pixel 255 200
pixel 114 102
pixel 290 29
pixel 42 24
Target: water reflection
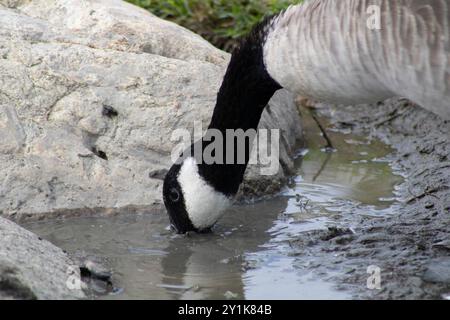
pixel 212 266
pixel 357 174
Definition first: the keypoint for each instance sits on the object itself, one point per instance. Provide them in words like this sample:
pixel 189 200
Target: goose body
pixel 324 50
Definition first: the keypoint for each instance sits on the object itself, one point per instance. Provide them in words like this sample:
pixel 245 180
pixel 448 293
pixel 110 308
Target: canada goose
pixel 325 50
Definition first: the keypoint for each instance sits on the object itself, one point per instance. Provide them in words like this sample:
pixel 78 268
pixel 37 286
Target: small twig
pixel 324 165
pixel 329 147
pixel 428 192
pixel 439 166
pixel 392 116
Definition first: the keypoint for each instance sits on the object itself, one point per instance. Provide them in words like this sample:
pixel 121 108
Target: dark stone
pixel 109 112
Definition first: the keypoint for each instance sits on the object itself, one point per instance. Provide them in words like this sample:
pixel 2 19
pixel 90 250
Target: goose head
pixel 192 203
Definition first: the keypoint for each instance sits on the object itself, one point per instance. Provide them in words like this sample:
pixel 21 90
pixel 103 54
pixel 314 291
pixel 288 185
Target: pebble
pixel 445 245
pixel 231 295
pixel 97 271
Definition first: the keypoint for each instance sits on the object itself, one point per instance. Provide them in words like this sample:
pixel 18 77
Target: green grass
pixel 222 22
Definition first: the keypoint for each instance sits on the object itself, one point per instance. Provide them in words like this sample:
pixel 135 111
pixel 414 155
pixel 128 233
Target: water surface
pixel 248 255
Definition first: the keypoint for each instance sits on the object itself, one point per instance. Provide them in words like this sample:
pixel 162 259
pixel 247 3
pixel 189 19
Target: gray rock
pixel 31 268
pixel 438 271
pixel 90 93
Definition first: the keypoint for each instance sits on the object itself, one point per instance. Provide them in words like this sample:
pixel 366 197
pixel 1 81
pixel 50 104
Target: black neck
pixel 246 90
pixel 247 86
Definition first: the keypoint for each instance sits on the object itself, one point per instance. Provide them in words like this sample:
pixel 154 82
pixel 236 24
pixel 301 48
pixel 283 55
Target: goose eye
pixel 174 195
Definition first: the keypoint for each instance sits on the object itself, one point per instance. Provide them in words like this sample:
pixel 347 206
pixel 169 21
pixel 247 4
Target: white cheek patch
pixel 204 205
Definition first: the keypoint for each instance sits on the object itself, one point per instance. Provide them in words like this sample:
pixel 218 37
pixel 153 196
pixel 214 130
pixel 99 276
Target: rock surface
pixel 90 93
pixel 32 268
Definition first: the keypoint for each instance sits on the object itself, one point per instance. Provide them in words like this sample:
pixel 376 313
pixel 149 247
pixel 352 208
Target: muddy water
pixel 249 254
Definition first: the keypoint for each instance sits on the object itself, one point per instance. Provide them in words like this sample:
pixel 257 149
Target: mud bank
pixel 411 247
